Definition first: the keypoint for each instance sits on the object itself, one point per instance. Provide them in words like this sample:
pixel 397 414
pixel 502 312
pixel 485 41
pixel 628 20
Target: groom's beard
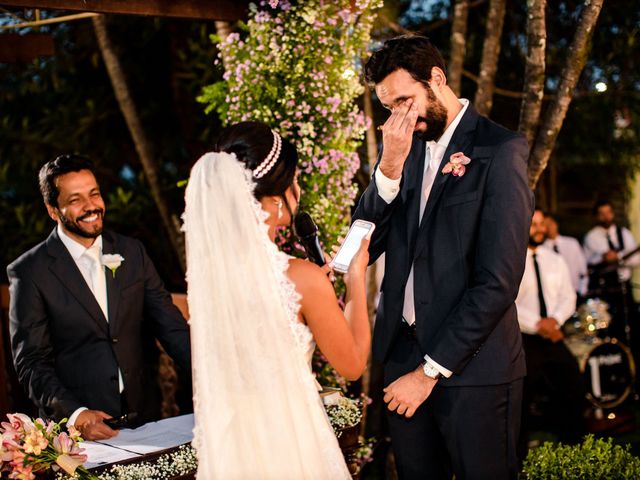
pixel 435 118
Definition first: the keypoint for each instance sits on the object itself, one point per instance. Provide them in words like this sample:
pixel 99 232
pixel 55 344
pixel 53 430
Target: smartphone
pixel 359 229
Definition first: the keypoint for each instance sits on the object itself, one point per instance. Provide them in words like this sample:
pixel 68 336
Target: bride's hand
pixel 359 263
pixel 327 268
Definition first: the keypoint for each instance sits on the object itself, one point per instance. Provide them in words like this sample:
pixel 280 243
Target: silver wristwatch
pixel 431 371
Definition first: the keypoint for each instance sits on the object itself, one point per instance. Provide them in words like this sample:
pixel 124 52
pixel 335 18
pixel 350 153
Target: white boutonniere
pixel 112 262
pixel 456 165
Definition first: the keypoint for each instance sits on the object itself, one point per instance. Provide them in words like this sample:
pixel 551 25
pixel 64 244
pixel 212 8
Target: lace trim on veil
pixel 289 296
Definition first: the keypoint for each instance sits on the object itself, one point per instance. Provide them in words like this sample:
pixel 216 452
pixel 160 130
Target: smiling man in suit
pixel 452 207
pixel 83 326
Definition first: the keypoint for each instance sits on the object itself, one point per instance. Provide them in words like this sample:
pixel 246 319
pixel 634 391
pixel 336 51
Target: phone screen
pixel 351 245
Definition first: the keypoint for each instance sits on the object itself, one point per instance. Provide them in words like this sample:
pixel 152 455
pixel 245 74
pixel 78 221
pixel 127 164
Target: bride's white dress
pixel 306 343
pixel 257 409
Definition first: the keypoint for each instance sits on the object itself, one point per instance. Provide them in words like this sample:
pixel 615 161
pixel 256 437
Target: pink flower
pixel 65 445
pixel 456 164
pixel 22 472
pixel 7 449
pixel 16 426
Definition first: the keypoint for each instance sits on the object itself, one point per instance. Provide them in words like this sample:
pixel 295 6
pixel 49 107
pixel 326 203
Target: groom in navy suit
pixel 452 207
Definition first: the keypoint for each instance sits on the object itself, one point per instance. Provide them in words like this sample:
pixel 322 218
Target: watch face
pixel 430 371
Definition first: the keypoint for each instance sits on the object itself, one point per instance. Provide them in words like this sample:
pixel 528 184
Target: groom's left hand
pixel 408 392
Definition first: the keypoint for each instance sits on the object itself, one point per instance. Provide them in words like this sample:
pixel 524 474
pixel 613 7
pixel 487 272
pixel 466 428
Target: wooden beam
pixel 24 48
pixel 227 10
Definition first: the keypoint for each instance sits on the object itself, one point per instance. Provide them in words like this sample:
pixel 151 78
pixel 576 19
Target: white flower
pixel 309 15
pixel 343 414
pixel 112 261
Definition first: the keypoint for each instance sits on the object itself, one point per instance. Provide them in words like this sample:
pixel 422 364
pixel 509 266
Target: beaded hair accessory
pixel 268 163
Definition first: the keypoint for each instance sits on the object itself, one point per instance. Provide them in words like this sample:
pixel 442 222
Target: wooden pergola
pixel 25 47
pixel 224 10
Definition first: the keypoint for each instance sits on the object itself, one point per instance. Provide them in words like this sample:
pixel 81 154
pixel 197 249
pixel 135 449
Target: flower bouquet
pixel 31 447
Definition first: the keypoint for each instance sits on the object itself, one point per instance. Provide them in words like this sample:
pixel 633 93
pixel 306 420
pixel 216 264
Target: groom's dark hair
pixel 413 53
pixel 53 169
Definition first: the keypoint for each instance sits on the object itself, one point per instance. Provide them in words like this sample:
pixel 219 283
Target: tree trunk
pixel 535 69
pixel 372 285
pixel 555 113
pixel 223 29
pixel 458 44
pixel 140 139
pixel 372 142
pixel 490 54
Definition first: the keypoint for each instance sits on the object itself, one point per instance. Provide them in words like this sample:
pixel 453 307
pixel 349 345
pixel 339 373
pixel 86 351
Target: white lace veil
pixel 258 413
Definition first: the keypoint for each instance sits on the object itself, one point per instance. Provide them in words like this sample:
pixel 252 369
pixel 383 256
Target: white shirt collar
pixel 538 251
pixel 76 249
pixel 611 230
pixel 444 140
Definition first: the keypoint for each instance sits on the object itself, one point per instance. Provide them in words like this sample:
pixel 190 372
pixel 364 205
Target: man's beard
pixel 606 224
pixel 437 118
pixel 74 227
pixel 535 243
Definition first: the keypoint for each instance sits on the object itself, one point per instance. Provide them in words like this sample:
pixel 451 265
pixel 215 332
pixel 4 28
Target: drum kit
pixel 606 364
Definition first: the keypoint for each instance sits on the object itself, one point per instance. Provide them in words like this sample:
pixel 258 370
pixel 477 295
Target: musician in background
pixel 570 250
pixel 607 245
pixel 546 299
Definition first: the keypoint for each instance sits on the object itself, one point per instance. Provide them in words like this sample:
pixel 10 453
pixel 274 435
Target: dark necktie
pixel 611 246
pixel 543 304
pixel 555 247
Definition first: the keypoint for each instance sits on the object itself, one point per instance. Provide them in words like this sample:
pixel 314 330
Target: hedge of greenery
pixel 592 459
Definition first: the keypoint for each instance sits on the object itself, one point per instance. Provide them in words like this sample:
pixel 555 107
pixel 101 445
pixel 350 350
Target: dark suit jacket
pixel 66 354
pixel 469 253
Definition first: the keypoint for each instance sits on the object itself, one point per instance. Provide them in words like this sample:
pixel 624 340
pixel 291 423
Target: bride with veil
pixel 256 315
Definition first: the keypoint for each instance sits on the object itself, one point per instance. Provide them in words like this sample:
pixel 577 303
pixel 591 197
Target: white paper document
pixel 154 436
pixel 99 454
pixel 151 437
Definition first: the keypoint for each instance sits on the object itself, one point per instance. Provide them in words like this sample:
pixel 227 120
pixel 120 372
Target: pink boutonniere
pixel 456 164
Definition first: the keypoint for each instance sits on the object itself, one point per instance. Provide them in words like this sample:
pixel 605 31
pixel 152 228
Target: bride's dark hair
pixel 251 142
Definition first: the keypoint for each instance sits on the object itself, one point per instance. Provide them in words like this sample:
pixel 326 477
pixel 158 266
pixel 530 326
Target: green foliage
pixel 296 68
pixel 593 459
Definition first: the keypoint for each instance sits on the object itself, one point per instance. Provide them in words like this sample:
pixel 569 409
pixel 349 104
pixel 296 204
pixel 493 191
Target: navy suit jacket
pixel 65 352
pixel 468 254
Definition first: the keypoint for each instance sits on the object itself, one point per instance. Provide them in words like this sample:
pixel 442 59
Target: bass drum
pixel 609 372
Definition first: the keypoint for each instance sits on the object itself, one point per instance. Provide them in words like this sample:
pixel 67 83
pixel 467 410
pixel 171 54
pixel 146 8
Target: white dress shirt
pixel 78 253
pixel 388 190
pixel 84 263
pixel 569 248
pixel 558 292
pixel 596 245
